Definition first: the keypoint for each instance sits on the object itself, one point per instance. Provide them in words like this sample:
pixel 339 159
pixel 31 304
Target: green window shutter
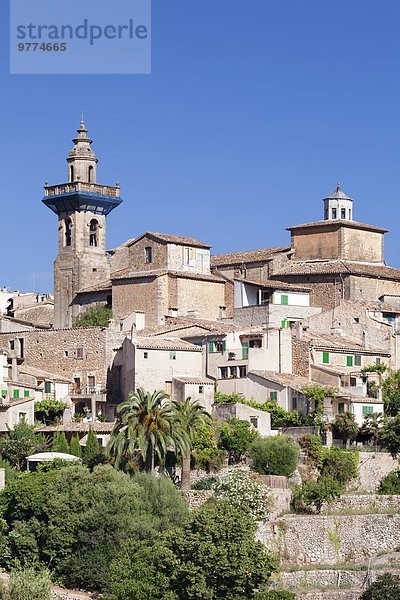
pixel 245 350
pixel 294 403
pixel 283 324
pixel 211 346
pixel 325 358
pixel 273 396
pixel 16 394
pixel 341 407
pixel 4 392
pixel 284 299
pixel 349 361
pixel 223 345
pixel 26 393
pixel 357 360
pixel 47 387
pixel 367 410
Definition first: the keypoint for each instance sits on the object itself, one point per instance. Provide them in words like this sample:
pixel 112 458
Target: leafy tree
pixel 143 429
pixel 345 427
pixel 371 427
pixel 236 437
pixel 27 584
pixel 19 443
pixel 312 446
pixel 75 447
pixel 312 494
pixel 386 587
pixel 391 392
pixel 92 453
pixel 279 416
pixel 49 411
pixel 390 435
pixel 220 398
pixel 213 556
pixel 98 316
pixel 239 488
pixel 205 453
pixel 60 443
pixel 391 483
pixel 340 465
pixel 274 455
pixel 186 417
pixel 318 393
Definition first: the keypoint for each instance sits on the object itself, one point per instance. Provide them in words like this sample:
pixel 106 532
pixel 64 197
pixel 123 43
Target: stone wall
pixel 373 467
pixel 353 502
pixel 329 540
pixel 300 357
pixel 327 578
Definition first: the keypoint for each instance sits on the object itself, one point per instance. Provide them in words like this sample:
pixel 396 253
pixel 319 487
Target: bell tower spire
pixel 81 206
pixel 82 161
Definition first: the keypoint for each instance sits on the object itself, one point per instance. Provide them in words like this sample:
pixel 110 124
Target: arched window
pixel 90 178
pixel 68 231
pixel 71 174
pixel 93 232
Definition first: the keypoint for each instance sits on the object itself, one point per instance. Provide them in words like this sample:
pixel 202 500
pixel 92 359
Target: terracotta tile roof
pixel 127 274
pixel 339 222
pixel 97 287
pixel 360 399
pixel 297 382
pixel 27 370
pixel 176 324
pixel 164 343
pixel 247 256
pixel 336 267
pixel 195 380
pixel 166 238
pixel 275 284
pixel 6 405
pixel 340 343
pixel 78 427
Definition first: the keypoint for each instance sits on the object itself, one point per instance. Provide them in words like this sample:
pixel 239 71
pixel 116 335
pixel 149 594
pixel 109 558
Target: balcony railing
pixel 87 390
pixel 77 186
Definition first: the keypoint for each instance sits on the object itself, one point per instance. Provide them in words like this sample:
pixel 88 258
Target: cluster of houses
pixel 261 323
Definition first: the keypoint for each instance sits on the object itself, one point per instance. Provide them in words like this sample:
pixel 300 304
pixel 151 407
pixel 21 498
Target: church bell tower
pixel 81 206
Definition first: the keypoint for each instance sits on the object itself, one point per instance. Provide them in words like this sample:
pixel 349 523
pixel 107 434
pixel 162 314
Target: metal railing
pixel 94 188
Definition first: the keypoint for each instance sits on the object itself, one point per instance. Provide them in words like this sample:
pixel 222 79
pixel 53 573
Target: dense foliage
pixel 390 435
pixel 97 316
pixel 49 411
pixel 274 455
pixel 386 587
pixel 344 427
pixel 205 453
pixel 312 494
pixel 340 465
pixel 236 437
pixel 76 520
pixel 312 446
pixel 19 443
pixel 317 393
pixel 390 484
pixel 27 584
pixel 240 488
pixel 213 556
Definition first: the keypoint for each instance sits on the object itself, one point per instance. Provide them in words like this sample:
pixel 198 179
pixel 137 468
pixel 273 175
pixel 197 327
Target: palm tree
pixel 144 429
pixel 187 418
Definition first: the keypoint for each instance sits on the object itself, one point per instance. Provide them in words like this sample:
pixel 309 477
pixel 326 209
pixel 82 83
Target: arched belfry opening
pixel 90 175
pixel 71 174
pixel 93 232
pixel 68 231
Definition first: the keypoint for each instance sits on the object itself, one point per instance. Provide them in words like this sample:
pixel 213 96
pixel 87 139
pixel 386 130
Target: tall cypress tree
pixel 75 447
pixel 60 443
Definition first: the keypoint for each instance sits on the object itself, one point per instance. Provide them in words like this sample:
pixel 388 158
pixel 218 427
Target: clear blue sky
pixel 254 109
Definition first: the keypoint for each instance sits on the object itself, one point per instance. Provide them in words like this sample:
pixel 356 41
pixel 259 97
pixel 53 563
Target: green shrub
pixel 276 595
pixel 220 398
pixel 209 459
pixel 279 416
pixel 239 488
pixel 98 316
pixel 341 465
pixel 236 437
pixel 27 585
pixel 312 494
pixel 205 484
pixel 312 446
pixel 60 443
pixel 386 587
pixel 276 455
pixel 390 484
pixel 49 410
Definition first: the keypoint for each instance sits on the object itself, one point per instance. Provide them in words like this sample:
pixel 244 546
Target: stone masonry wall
pixel 300 356
pixel 372 468
pixel 358 502
pixel 329 540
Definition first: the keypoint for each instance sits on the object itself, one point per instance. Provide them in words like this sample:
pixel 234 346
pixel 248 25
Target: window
pixel 294 403
pixel 325 358
pixel 68 231
pixel 334 212
pixel 168 387
pixel 93 232
pixel 21 347
pixel 145 355
pixel 16 394
pixel 91 383
pixel 71 174
pixel 257 343
pixel 22 417
pixel 90 174
pixel 201 389
pixel 353 381
pixel 172 355
pixel 65 353
pixel 343 213
pixel 264 296
pixel 284 299
pixel 219 346
pixel 273 396
pixel 349 361
pixel 340 407
pixel 254 422
pixel 189 257
pixel 79 353
pixel 357 360
pixel 47 387
pixel 233 372
pixel 148 255
pixel 367 410
pixel 223 371
pixel 245 350
pixel 3 393
pixel 242 371
pixel 26 393
pixel 11 344
pixel 378 361
pixel 356 320
pixel 350 214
